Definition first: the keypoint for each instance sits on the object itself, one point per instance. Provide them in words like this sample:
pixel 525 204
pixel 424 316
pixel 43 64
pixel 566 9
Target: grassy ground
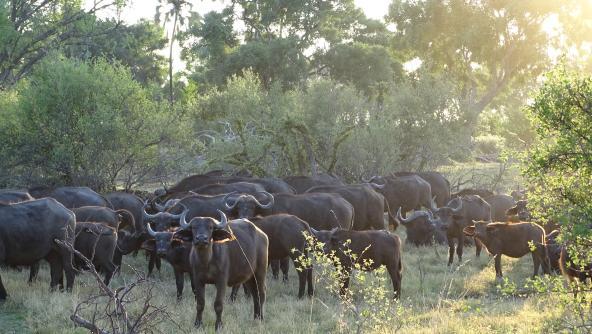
pixel 436 299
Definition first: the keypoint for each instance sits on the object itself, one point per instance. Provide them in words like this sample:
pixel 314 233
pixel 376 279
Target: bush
pixel 82 123
pixel 491 145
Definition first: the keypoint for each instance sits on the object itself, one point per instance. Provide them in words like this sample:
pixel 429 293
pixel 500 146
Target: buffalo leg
pixel 275 268
pixel 302 276
pixel 3 293
pixel 33 271
pixel 200 300
pixel 56 269
pixel 309 282
pixel 151 261
pixel 285 266
pixel 396 277
pixel 450 251
pixel 180 281
pixel 498 265
pixel 234 292
pixel 478 247
pixel 219 303
pixel 460 246
pixel 117 257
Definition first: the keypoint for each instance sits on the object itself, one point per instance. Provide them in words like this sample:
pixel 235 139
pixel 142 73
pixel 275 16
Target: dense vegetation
pixel 302 87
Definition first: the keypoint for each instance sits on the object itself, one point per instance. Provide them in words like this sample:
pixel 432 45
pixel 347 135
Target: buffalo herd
pixel 226 230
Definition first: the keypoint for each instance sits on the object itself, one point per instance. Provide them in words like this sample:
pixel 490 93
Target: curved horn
pixel 313 231
pixel 177 202
pixel 414 215
pixel 269 204
pixel 433 205
pixel 223 221
pixel 159 206
pixel 145 214
pixel 182 221
pixel 150 230
pixel 225 200
pixel 376 185
pixel 457 209
pixel 370 180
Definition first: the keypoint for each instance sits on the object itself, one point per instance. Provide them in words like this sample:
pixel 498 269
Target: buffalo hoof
pixel 218 325
pixel 197 324
pixel 285 279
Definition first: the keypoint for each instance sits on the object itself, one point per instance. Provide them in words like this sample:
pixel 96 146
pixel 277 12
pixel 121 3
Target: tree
pixel 134 46
pixel 559 166
pixel 486 47
pixel 30 29
pixel 176 12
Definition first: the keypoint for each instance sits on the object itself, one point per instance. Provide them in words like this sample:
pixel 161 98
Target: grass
pixel 436 299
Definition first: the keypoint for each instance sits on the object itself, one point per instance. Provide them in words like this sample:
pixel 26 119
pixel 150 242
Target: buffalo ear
pixel 220 235
pixel 149 245
pixel 184 235
pixel 175 243
pixel 469 231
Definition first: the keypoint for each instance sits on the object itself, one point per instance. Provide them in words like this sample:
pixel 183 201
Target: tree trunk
pixel 171 60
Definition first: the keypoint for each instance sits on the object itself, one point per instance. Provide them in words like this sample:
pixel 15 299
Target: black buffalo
pixel 227 254
pixel 440 186
pixel 406 192
pixel 97 242
pixel 10 196
pixel 422 229
pixel 175 249
pixel 369 205
pixel 28 233
pixel 286 235
pixel 302 183
pixel 72 197
pixel 459 213
pixel 377 247
pixel 320 210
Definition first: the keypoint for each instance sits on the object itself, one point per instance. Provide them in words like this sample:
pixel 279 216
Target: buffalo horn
pixel 433 205
pixel 150 230
pixel 182 221
pixel 459 207
pixel 223 221
pixel 269 203
pixel 227 197
pixel 146 214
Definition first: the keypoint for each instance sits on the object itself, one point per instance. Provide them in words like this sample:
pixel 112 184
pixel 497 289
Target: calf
pixel 97 242
pixel 175 249
pixel 287 239
pixel 381 247
pixel 553 250
pixel 226 254
pixel 513 240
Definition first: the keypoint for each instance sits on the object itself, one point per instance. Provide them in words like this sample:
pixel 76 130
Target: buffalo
pixel 513 240
pixel 407 192
pixel 28 233
pixel 369 205
pixel 302 183
pixel 422 229
pixel 72 197
pixel 500 204
pixel 572 271
pixel 520 210
pixel 483 193
pixel 226 254
pixel 113 218
pixel 11 196
pixel 440 186
pixel 287 239
pixel 175 249
pixel 97 242
pixel 458 214
pixel 238 187
pixel 377 247
pixel 194 182
pixel 320 210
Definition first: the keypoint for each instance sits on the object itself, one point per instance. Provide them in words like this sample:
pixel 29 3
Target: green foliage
pixel 368 303
pixel 491 145
pixel 80 123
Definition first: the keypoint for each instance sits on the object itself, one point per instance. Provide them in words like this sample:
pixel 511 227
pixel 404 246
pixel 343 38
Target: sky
pixel 138 9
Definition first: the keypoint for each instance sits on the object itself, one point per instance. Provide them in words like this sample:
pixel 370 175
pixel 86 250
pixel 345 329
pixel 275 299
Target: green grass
pixel 436 299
